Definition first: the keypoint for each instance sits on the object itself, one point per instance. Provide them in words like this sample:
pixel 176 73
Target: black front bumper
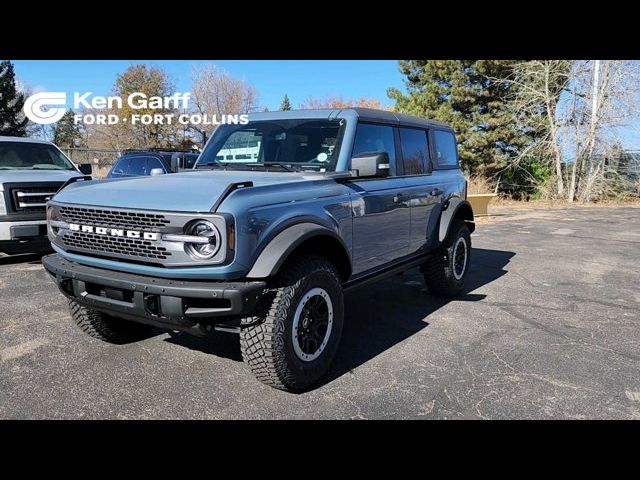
pixel 175 304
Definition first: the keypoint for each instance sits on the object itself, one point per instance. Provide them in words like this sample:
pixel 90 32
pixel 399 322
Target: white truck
pixel 31 171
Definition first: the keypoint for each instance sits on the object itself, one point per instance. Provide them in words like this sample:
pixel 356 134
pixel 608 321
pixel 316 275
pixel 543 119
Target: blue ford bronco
pixel 279 219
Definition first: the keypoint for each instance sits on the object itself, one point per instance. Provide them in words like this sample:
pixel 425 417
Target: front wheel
pixel 446 271
pixel 296 332
pixel 105 327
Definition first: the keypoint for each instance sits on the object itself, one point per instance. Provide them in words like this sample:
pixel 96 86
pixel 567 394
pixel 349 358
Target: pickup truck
pixel 31 171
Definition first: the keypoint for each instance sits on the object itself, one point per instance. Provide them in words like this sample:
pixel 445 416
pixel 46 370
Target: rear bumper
pixel 175 304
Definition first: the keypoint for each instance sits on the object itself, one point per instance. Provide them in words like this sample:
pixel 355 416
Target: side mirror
pixel 85 168
pixel 371 164
pixel 156 171
pixel 178 162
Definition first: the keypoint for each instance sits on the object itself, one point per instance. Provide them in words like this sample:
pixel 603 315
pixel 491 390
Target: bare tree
pixel 330 101
pixel 603 97
pixel 539 86
pixel 577 108
pixel 215 92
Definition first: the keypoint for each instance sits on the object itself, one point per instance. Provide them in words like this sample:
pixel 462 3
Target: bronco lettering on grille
pixel 114 232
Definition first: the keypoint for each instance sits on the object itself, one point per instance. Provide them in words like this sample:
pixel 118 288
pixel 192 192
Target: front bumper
pixel 192 306
pixel 11 230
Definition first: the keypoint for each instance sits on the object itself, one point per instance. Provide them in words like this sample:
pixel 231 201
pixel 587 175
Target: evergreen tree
pixel 473 97
pixel 66 132
pixel 286 104
pixel 12 120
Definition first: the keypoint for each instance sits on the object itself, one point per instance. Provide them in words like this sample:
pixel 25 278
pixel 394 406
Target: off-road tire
pixel 267 347
pixel 105 327
pixel 439 269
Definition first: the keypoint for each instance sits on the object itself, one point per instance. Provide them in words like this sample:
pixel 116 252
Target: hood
pixel 177 192
pixel 18 176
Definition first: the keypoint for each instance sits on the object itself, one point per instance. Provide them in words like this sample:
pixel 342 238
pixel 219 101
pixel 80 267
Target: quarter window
pixel 375 139
pixel 445 146
pixel 415 151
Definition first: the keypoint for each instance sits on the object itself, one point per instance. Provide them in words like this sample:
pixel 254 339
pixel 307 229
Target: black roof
pixel 374 115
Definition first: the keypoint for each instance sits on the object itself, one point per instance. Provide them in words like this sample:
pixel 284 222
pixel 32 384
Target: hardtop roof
pixel 365 114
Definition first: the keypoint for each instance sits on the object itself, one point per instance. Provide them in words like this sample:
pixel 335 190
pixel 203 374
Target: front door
pixel 380 206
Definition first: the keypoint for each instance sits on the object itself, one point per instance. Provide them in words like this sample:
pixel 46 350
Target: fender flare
pixel 280 247
pixel 456 207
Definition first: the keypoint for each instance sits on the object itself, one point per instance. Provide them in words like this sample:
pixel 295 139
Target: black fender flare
pixel 456 207
pixel 281 245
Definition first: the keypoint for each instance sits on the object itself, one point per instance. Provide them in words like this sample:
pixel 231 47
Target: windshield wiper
pixel 212 164
pixel 288 168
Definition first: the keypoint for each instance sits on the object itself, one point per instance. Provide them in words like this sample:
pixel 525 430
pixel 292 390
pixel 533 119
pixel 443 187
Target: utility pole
pixel 594 100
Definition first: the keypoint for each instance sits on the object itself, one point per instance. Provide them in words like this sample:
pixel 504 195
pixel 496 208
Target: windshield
pixel 289 145
pixel 32 156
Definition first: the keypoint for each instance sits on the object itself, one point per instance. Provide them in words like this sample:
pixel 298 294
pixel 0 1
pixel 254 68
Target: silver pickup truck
pixel 31 171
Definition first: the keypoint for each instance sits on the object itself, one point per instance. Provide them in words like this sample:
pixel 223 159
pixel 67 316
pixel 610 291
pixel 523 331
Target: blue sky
pixel 271 78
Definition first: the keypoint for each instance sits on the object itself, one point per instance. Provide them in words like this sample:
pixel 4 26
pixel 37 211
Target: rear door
pixel 423 188
pixel 380 207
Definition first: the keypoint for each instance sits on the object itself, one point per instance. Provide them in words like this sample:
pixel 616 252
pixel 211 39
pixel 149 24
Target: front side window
pixel 120 168
pixel 141 166
pixel 415 151
pixel 445 147
pixel 298 144
pixel 375 139
pixel 153 163
pixel 32 156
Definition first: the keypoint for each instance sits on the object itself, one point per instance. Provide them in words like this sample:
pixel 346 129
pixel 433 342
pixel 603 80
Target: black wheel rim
pixel 312 324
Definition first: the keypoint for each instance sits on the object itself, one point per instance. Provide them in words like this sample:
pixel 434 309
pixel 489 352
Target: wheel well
pixel 465 213
pixel 328 247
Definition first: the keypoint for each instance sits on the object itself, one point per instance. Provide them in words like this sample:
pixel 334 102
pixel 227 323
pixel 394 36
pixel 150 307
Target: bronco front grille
pixel 113 218
pixel 118 245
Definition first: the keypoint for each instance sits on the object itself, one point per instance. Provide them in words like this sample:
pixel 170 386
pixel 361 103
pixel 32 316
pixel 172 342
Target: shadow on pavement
pixel 377 317
pixel 31 258
pixel 387 313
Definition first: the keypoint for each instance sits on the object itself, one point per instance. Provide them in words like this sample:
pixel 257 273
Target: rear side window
pixel 445 147
pixel 375 139
pixel 415 151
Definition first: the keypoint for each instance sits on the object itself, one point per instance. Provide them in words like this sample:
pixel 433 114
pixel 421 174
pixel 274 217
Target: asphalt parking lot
pixel 549 327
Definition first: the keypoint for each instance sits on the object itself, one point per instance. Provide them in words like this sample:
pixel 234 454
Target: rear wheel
pixel 298 326
pixel 446 270
pixel 105 327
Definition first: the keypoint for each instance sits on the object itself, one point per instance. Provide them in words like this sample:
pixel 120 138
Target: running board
pixel 383 273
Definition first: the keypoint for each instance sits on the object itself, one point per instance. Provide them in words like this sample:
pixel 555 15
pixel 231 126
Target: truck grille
pixel 32 199
pixel 114 246
pixel 113 218
pixel 118 245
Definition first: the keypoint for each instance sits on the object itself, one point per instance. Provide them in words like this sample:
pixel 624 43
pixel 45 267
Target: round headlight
pixel 206 230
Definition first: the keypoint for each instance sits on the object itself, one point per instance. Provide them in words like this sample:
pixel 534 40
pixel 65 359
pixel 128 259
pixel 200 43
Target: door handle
pixel 436 191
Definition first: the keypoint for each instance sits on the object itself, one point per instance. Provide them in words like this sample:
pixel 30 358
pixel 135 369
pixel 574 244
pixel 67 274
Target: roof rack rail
pixel 158 149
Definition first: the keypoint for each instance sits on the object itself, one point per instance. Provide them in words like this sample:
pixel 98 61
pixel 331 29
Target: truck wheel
pixel 445 272
pixel 299 326
pixel 105 327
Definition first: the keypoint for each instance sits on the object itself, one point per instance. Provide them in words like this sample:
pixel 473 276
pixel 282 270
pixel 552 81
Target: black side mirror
pixel 85 168
pixel 371 164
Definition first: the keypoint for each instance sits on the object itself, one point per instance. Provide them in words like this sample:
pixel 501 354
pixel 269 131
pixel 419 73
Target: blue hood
pixel 177 192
